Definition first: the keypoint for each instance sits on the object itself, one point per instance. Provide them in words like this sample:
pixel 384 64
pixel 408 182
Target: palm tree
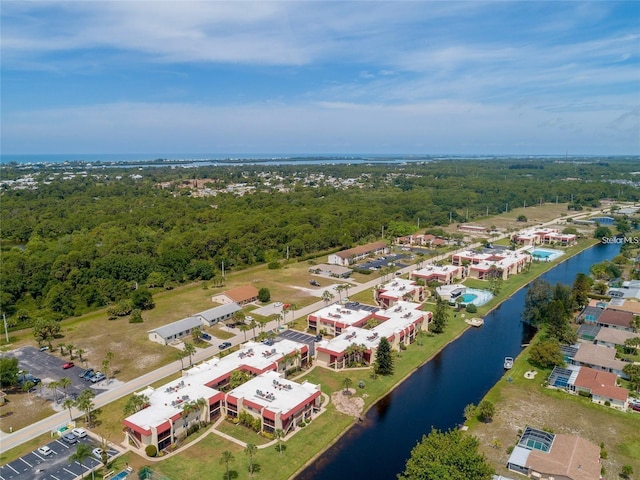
pixel 339 289
pixel 53 386
pixel 203 406
pixel 253 324
pixel 227 456
pixel 69 404
pixel 190 350
pixel 346 383
pixel 187 409
pixel 79 352
pixel 250 450
pixel 346 287
pixel 64 382
pixel 243 327
pixel 279 435
pixel 181 354
pixel 85 404
pixel 70 348
pixel 108 359
pixel 327 297
pixel 83 451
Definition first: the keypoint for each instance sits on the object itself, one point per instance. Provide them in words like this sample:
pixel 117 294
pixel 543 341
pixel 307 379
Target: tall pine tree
pixel 384 359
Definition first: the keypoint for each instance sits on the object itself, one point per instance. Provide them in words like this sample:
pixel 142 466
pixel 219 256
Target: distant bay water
pixel 222 159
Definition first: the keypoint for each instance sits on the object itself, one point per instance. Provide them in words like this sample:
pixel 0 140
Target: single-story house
pixel 599 358
pixel 218 314
pixel 355 254
pixel 240 296
pixel 602 387
pixel 610 337
pixel 174 331
pixel 611 318
pixel 543 455
pixel 335 271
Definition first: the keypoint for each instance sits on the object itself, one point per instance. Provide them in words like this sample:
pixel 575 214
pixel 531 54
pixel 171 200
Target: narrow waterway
pixel 436 394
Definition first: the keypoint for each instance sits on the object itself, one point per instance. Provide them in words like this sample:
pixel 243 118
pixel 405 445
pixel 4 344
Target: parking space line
pixel 39 455
pixel 69 471
pixel 56 478
pixel 63 444
pixel 30 466
pixel 13 469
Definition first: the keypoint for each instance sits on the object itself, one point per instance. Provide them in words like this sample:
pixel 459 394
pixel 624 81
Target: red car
pixel 68 365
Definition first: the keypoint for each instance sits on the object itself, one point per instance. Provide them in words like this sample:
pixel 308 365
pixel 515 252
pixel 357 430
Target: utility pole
pixel 6 329
pixel 223 269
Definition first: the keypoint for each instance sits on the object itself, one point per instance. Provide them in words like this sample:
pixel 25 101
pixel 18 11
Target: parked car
pixel 98 377
pixel 84 373
pixel 231 325
pixel 45 450
pixel 224 345
pixel 44 349
pixel 27 377
pixel 206 336
pixel 315 283
pixel 318 338
pixel 90 373
pixel 68 365
pixel 267 341
pixel 277 304
pixel 97 452
pixel 79 432
pixel 69 438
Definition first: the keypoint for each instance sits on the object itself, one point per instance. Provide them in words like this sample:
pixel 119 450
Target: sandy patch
pixel 348 404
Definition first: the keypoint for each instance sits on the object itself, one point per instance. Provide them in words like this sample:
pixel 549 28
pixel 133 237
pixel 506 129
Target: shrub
pixel 151 450
pixel 471 308
pixel 582 393
pixel 264 295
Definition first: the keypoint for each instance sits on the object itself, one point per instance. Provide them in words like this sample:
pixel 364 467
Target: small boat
pixel 508 363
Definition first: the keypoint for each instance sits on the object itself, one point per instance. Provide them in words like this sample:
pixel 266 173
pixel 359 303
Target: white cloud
pixel 444 126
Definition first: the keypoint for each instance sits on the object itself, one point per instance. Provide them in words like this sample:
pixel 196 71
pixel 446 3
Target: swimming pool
pixel 121 476
pixel 476 296
pixel 546 255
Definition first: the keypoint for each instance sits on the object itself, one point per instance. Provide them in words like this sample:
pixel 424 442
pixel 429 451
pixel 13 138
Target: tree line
pixel 71 246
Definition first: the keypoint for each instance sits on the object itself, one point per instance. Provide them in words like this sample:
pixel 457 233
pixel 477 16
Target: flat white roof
pixel 167 401
pixel 398 287
pixel 192 385
pixel 342 314
pixel 274 393
pixel 399 317
pixel 436 269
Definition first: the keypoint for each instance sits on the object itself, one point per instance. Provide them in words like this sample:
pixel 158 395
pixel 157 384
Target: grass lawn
pixel 524 402
pixel 242 433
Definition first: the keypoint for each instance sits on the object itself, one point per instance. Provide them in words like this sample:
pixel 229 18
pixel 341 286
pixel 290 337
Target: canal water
pixel 436 394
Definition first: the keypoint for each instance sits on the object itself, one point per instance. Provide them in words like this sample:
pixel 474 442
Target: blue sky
pixel 311 77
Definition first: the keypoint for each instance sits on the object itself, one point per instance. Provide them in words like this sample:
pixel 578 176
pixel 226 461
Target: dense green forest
pixel 85 238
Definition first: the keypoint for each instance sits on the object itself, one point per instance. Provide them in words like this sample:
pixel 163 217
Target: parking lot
pixel 48 368
pixel 384 261
pixel 55 466
pixel 310 340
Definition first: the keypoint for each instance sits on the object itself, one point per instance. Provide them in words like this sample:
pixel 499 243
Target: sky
pixel 313 77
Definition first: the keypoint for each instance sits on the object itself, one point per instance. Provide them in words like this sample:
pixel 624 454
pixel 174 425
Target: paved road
pixel 8 441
